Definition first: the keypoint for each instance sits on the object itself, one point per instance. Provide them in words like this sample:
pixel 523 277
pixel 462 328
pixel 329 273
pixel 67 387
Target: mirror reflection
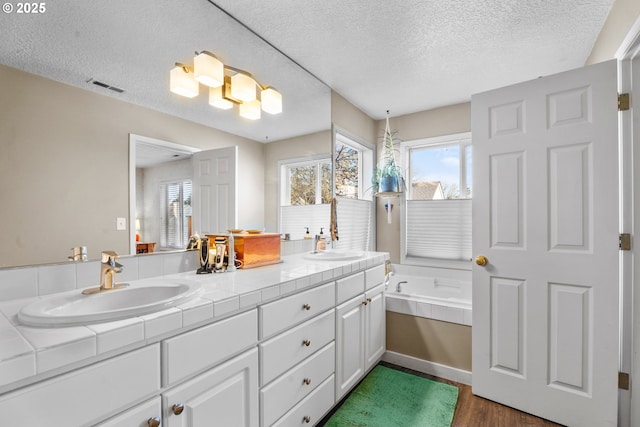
pixel 64 141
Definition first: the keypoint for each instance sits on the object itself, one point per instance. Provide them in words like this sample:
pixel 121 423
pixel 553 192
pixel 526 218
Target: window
pixel 354 166
pixel 306 183
pixel 437 224
pixel 176 214
pixel 305 194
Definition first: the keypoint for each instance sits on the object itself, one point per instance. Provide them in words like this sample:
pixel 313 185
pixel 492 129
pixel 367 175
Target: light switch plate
pixel 121 223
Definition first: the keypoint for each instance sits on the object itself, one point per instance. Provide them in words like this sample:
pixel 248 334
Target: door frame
pixel 133 140
pixel 627 53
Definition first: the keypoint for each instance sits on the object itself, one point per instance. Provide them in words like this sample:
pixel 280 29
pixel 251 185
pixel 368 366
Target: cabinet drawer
pixel 138 416
pixel 282 314
pixel 349 287
pixel 311 410
pixel 374 276
pixel 282 394
pixel 85 396
pixel 290 348
pixel 199 349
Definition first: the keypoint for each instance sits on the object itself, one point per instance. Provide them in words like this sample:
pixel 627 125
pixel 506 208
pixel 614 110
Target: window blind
pixel 295 219
pixel 439 229
pixel 354 223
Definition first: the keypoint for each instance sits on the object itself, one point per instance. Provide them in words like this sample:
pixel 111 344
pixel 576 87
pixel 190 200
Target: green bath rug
pixel 391 398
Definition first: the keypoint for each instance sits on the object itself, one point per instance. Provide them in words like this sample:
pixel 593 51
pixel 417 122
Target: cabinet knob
pixel 307 307
pixel 177 408
pixel 368 299
pixel 364 302
pixel 153 422
pixel 307 381
pixel 306 342
pixel 306 419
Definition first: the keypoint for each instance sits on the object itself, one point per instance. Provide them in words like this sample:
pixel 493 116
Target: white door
pixel 214 190
pixel 545 215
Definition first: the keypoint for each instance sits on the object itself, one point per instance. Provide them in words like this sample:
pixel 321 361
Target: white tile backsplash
pixel 18 283
pixel 56 278
pixel 428 310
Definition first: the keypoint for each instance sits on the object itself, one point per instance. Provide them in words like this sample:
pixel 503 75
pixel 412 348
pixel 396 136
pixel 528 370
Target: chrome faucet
pixel 108 269
pixel 399 287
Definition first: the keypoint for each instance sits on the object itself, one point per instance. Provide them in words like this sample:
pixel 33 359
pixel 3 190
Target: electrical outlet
pixel 121 223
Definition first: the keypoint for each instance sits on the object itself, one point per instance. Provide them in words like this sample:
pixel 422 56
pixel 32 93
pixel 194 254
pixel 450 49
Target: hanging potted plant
pixel 387 177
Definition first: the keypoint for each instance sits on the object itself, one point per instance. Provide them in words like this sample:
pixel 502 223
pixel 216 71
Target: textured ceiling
pixel 413 55
pixel 401 55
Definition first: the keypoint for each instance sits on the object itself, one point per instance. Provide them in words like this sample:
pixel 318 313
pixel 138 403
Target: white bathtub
pixel 441 298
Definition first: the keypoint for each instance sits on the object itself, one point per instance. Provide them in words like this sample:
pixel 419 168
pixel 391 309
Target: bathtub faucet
pixel 398 287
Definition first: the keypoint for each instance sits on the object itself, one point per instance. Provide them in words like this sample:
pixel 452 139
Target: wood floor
pixel 474 411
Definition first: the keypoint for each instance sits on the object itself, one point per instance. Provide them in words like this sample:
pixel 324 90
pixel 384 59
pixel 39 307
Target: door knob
pixel 482 260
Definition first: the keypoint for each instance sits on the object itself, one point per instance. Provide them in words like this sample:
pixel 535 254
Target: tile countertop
pixel 30 354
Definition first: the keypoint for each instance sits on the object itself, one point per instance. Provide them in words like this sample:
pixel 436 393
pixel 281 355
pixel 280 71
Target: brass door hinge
pixel 623 381
pixel 623 102
pixel 624 242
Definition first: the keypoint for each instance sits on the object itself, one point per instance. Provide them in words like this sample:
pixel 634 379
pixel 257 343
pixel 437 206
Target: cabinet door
pixel 375 325
pixel 349 344
pixel 138 416
pixel 227 395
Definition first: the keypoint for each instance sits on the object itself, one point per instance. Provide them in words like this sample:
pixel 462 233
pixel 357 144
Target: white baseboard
pixel 426 367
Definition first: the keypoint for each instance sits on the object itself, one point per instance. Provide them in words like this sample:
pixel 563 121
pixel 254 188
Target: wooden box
pixel 254 250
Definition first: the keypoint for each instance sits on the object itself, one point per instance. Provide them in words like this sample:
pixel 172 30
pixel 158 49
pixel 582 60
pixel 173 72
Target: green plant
pixel 387 166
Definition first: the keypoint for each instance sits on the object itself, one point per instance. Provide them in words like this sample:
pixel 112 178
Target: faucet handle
pixel 109 257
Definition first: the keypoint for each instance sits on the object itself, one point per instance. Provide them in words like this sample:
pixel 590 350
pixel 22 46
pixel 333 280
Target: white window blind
pixel 295 219
pixel 439 229
pixel 354 223
pixel 176 214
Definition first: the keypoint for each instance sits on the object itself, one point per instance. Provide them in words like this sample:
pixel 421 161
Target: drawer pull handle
pixel 306 419
pixel 153 422
pixel 306 342
pixel 307 381
pixel 306 307
pixel 177 408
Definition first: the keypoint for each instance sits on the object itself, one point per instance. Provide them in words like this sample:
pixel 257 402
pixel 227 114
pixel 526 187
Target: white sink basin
pixel 334 255
pixel 74 308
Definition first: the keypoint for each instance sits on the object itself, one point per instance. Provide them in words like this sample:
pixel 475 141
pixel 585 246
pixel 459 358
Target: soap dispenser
pixel 321 243
pixel 307 236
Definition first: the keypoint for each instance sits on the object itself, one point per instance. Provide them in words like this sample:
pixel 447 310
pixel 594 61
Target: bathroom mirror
pixel 78 78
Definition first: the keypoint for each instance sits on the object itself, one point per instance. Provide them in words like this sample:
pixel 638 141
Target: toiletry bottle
pixel 307 236
pixel 322 244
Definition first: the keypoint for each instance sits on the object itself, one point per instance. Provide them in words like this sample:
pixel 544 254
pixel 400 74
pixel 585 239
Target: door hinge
pixel 624 242
pixel 623 380
pixel 623 102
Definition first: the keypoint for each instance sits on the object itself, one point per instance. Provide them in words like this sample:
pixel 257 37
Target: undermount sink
pixel 334 255
pixel 74 308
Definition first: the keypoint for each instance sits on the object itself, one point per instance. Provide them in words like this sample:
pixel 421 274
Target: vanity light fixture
pixel 208 69
pixel 227 86
pixel 182 81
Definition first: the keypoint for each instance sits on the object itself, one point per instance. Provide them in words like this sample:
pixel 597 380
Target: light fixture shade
pixel 216 99
pixel 208 69
pixel 271 101
pixel 250 110
pixel 243 87
pixel 182 82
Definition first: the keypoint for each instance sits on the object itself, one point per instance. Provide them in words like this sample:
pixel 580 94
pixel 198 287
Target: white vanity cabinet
pixel 226 395
pixel 299 358
pixel 360 329
pixel 87 395
pixel 146 414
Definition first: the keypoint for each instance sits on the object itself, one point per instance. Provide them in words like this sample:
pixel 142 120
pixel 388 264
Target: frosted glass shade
pixel 271 101
pixel 243 87
pixel 182 82
pixel 216 99
pixel 208 70
pixel 250 110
